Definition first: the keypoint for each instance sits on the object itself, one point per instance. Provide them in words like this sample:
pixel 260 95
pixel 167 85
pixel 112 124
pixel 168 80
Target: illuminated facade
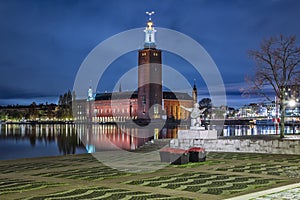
pixel 149 101
pixel 122 106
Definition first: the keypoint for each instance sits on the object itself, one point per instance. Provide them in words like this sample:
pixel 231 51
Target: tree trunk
pixel 282 118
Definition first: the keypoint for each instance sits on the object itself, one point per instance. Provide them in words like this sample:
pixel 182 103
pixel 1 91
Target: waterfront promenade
pixel 222 176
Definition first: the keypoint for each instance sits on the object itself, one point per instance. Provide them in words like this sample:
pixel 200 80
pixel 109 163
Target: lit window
pixel 156 109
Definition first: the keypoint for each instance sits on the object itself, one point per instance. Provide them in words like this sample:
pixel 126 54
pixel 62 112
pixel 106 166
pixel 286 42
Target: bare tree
pixel 277 65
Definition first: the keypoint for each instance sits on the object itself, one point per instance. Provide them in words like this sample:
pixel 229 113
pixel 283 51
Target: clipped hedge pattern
pixel 284 169
pixel 206 183
pixel 104 193
pixel 15 185
pixel 95 173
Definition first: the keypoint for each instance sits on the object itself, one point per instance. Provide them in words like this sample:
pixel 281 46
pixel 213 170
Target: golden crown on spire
pixel 150 13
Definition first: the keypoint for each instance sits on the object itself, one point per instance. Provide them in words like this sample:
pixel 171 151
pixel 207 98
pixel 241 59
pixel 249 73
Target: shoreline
pixel 145 122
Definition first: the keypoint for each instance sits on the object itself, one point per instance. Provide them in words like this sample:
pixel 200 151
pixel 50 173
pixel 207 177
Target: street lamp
pixel 292 103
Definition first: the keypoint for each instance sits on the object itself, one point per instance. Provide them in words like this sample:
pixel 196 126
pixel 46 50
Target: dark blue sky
pixel 43 43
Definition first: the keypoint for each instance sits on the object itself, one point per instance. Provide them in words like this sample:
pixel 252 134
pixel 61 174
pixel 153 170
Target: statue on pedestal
pixel 195 115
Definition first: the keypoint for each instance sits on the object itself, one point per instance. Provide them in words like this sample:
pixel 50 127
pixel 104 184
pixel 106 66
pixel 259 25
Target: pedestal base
pixel 197 128
pixel 197 134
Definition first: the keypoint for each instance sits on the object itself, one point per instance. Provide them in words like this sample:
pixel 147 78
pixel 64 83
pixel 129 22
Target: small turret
pixel 90 94
pixel 120 88
pixel 195 93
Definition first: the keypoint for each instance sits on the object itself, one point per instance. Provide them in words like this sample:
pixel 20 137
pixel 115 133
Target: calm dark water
pixel 25 140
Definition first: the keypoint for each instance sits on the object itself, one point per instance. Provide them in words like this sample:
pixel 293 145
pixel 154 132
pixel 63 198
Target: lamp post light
pixel 276 120
pixel 292 104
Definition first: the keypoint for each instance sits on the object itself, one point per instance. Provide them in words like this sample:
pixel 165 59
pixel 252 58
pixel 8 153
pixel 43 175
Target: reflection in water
pixel 65 136
pixel 242 130
pixel 71 137
pixel 62 139
pixel 112 137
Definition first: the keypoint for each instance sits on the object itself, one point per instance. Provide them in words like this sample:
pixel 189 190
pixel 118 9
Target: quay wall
pixel 274 146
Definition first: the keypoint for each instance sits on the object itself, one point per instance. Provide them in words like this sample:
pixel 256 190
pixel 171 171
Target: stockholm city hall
pixel 149 101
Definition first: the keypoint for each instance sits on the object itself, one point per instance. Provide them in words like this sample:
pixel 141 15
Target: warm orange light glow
pixel 150 24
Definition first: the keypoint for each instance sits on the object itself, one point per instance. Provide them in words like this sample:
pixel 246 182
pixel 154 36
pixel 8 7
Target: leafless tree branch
pixel 277 64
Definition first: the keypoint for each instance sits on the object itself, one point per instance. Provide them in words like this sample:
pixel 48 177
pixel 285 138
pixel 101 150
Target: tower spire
pixel 195 93
pixel 149 32
pixel 90 92
pixel 120 88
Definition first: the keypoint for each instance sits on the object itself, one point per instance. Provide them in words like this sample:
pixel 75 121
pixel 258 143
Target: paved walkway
pixel 288 192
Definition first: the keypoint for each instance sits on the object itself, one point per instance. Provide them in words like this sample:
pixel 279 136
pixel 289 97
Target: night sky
pixel 43 43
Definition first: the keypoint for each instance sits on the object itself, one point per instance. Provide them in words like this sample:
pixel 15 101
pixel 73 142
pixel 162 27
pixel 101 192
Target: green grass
pixel 17 186
pixel 102 193
pixel 211 184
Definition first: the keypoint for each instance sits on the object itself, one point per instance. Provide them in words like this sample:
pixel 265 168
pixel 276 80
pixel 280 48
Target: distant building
pixel 271 109
pixel 148 102
pixel 121 106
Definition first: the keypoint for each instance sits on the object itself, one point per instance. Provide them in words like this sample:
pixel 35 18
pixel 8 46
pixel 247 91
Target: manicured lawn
pixel 223 175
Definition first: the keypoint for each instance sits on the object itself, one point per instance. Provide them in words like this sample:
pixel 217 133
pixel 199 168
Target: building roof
pixel 134 95
pixel 116 95
pixel 176 95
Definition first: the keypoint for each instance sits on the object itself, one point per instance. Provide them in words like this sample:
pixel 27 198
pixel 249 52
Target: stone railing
pixel 272 146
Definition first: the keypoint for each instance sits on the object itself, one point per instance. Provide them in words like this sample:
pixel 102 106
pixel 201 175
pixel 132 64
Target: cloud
pixel 43 43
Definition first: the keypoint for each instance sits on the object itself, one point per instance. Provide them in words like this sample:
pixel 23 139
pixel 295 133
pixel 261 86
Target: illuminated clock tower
pixel 149 76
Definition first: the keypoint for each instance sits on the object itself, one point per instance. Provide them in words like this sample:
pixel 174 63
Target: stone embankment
pixel 288 145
